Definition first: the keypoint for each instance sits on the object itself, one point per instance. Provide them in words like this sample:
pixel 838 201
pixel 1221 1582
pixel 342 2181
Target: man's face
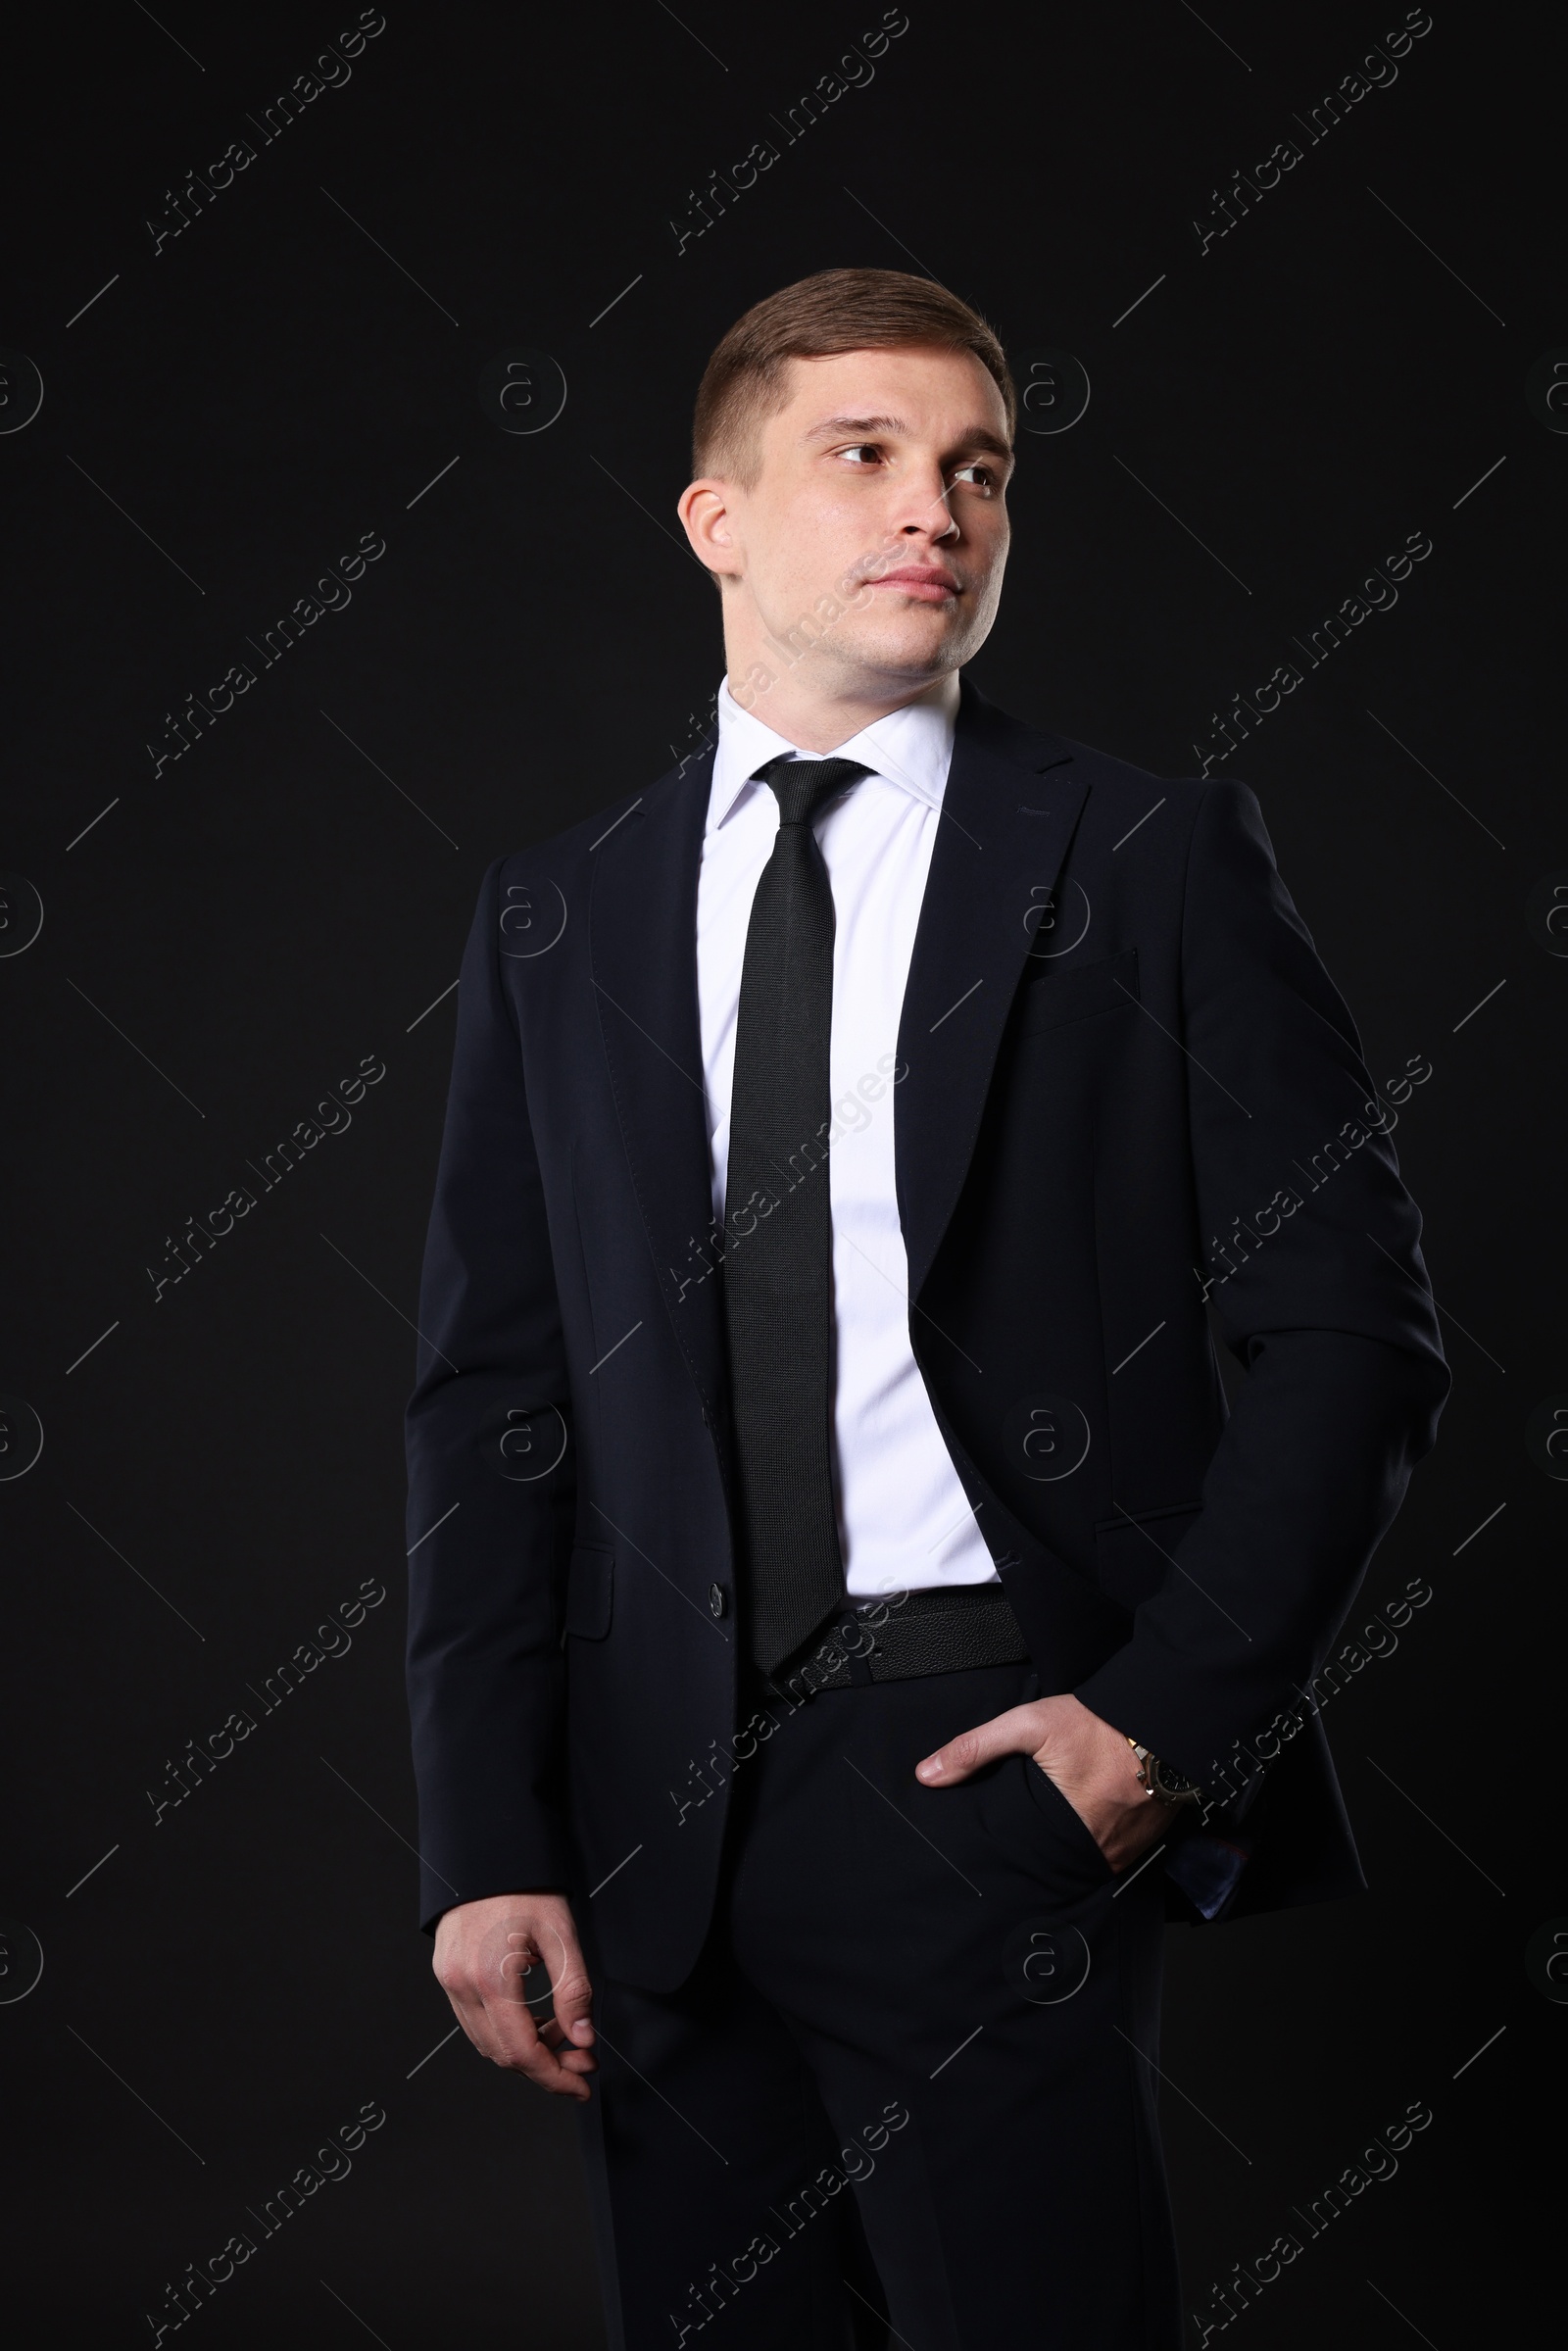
pixel 876 531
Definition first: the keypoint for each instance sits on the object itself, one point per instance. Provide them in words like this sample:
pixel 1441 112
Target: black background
pixel 240 928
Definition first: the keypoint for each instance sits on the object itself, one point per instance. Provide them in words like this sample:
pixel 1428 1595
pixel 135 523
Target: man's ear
pixel 706 516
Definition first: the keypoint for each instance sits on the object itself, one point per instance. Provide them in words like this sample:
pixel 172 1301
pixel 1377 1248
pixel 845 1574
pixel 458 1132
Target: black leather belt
pixel 937 1631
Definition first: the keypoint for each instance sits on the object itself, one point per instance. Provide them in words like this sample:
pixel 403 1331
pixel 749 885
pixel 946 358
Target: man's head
pixel 852 447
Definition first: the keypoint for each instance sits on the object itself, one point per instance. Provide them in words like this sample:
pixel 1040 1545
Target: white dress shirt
pixel 905 1522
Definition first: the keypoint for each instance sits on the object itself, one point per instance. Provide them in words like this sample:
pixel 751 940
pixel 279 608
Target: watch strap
pixel 1153 1781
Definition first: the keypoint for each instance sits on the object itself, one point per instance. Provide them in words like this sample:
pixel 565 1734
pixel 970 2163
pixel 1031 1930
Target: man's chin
pixel 912 656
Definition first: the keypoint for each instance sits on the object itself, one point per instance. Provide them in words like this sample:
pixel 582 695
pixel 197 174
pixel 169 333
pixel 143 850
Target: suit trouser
pixel 910 2081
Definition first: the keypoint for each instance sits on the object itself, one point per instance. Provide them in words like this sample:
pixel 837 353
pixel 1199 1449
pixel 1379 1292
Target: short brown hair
pixel 816 318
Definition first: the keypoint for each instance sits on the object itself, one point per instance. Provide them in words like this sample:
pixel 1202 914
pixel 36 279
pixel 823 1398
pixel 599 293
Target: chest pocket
pixel 1047 999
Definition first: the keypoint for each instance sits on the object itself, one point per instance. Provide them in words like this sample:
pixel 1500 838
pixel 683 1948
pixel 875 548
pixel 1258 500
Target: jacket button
pixel 715 1598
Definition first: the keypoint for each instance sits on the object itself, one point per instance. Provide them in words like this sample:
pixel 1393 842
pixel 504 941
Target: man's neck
pixel 814 720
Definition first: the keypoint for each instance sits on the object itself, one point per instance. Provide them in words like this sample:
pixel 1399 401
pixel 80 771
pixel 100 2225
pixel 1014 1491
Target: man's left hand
pixel 1091 1763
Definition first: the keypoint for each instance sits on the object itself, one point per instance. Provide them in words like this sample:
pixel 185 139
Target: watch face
pixel 1171 1785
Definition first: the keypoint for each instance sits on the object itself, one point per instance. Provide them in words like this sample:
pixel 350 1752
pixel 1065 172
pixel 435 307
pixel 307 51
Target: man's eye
pixel 981 475
pixel 861 449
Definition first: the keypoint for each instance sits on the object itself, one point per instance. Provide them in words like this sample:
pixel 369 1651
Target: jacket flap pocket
pixel 590 1583
pixel 1049 998
pixel 1133 1556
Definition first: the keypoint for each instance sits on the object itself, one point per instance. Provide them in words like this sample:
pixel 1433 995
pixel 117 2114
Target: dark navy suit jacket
pixel 1128 1097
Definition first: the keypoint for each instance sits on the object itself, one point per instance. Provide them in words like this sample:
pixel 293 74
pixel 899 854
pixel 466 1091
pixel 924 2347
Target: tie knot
pixel 801 786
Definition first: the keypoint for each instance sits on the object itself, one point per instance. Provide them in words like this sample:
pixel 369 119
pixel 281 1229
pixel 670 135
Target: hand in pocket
pixel 1090 1765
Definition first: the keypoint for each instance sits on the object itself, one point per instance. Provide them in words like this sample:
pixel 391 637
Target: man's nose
pixel 923 510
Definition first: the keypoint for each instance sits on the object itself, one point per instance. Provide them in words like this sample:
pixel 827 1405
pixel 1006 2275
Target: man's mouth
pixel 927 584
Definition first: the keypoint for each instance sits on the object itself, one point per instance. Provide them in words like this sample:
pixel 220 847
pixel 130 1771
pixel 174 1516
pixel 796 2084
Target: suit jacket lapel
pixel 1008 815
pixel 643 928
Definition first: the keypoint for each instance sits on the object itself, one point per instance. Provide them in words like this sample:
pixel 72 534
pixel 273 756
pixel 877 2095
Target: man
pixel 850 1138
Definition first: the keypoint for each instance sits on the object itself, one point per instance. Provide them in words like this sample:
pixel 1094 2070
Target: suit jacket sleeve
pixel 486 1546
pixel 1327 1304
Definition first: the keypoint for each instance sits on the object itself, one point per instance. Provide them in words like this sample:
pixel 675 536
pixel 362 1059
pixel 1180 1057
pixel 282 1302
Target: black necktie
pixel 778 1251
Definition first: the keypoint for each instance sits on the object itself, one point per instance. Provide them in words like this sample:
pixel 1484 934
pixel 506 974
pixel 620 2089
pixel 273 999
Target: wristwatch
pixel 1158 1779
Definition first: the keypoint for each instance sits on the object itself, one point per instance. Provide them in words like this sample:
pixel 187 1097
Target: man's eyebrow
pixel 831 428
pixel 995 443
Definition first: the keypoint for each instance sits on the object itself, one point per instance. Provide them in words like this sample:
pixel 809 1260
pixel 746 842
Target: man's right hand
pixel 483 1953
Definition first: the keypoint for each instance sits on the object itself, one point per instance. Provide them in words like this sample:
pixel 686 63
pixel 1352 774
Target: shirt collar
pixel 911 747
